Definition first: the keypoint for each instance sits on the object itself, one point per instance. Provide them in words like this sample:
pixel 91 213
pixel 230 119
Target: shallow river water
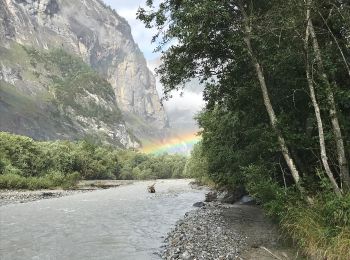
pixel 125 223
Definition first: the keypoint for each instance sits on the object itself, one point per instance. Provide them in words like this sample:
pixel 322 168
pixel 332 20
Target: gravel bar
pixel 220 231
pixel 13 197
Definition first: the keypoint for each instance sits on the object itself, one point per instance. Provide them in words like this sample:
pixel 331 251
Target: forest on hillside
pixel 277 116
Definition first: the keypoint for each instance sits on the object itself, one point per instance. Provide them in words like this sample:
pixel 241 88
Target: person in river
pixel 151 188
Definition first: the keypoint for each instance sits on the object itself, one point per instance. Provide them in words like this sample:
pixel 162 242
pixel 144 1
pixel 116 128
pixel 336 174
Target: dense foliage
pixel 197 165
pixel 27 164
pixel 277 77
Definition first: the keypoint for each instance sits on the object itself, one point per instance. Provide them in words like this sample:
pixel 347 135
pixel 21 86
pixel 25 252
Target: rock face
pixel 100 37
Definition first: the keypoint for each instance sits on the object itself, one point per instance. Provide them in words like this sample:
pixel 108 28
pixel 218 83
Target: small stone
pixel 185 255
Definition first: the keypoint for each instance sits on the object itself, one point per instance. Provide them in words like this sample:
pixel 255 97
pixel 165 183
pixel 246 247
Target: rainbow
pixel 178 144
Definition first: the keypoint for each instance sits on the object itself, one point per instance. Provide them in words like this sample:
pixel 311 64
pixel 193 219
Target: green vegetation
pixel 197 166
pixel 321 229
pixel 57 94
pixel 276 121
pixel 18 100
pixel 73 81
pixel 27 164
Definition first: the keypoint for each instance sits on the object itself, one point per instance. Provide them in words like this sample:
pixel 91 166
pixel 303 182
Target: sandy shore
pixel 225 231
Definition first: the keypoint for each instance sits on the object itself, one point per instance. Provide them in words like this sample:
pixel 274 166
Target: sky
pixel 181 109
pixel 142 36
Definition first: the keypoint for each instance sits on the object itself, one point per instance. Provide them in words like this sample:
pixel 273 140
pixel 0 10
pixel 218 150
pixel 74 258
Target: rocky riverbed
pixel 14 197
pixel 24 196
pixel 224 231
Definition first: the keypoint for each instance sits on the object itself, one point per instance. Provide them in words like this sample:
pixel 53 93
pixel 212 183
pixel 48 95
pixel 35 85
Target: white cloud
pixel 142 36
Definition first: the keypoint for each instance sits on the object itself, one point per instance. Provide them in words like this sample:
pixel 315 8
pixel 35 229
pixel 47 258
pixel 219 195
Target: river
pixel 124 223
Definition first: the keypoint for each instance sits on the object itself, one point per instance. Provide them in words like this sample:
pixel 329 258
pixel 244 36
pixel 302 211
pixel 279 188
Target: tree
pixel 310 80
pixel 232 46
pixel 197 164
pixel 342 160
pixel 208 46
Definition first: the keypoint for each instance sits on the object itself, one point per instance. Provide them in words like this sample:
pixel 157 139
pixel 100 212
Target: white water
pixel 122 223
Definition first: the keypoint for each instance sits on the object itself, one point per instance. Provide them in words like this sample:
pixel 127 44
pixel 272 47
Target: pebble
pixel 13 197
pixel 199 235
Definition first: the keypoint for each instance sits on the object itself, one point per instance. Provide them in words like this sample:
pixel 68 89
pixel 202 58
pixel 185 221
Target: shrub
pixel 2 165
pixel 12 181
pixel 9 169
pixel 28 164
pixel 321 229
pixel 49 181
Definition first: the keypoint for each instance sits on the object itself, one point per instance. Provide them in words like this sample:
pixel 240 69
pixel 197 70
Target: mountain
pixel 71 69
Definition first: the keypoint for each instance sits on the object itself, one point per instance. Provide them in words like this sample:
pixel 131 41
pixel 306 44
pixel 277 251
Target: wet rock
pixel 47 194
pixel 199 204
pixel 247 200
pixel 231 197
pixel 227 197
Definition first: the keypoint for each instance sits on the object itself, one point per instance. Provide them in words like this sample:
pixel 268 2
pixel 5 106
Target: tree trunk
pixel 342 160
pixel 309 77
pixel 273 119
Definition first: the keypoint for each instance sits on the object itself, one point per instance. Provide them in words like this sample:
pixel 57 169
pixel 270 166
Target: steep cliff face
pixel 90 30
pixel 54 95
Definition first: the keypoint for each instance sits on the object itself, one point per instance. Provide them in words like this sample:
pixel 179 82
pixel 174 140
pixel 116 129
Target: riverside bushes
pixel 50 180
pixel 323 229
pixel 28 164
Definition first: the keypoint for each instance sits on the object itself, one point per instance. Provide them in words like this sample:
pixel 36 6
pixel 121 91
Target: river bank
pixel 8 197
pixel 226 231
pixel 23 196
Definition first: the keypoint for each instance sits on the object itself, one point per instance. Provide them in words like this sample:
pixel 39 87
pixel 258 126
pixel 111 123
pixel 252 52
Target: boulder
pixel 199 204
pixel 247 200
pixel 211 196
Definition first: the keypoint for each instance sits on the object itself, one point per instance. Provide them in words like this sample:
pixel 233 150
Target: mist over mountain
pixel 183 106
pixel 181 109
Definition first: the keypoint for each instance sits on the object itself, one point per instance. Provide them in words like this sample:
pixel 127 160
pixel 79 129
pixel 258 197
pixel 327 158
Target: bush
pixel 9 169
pixel 2 165
pixel 27 164
pixel 50 181
pixel 23 153
pixel 322 229
pixel 197 165
pixel 12 181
